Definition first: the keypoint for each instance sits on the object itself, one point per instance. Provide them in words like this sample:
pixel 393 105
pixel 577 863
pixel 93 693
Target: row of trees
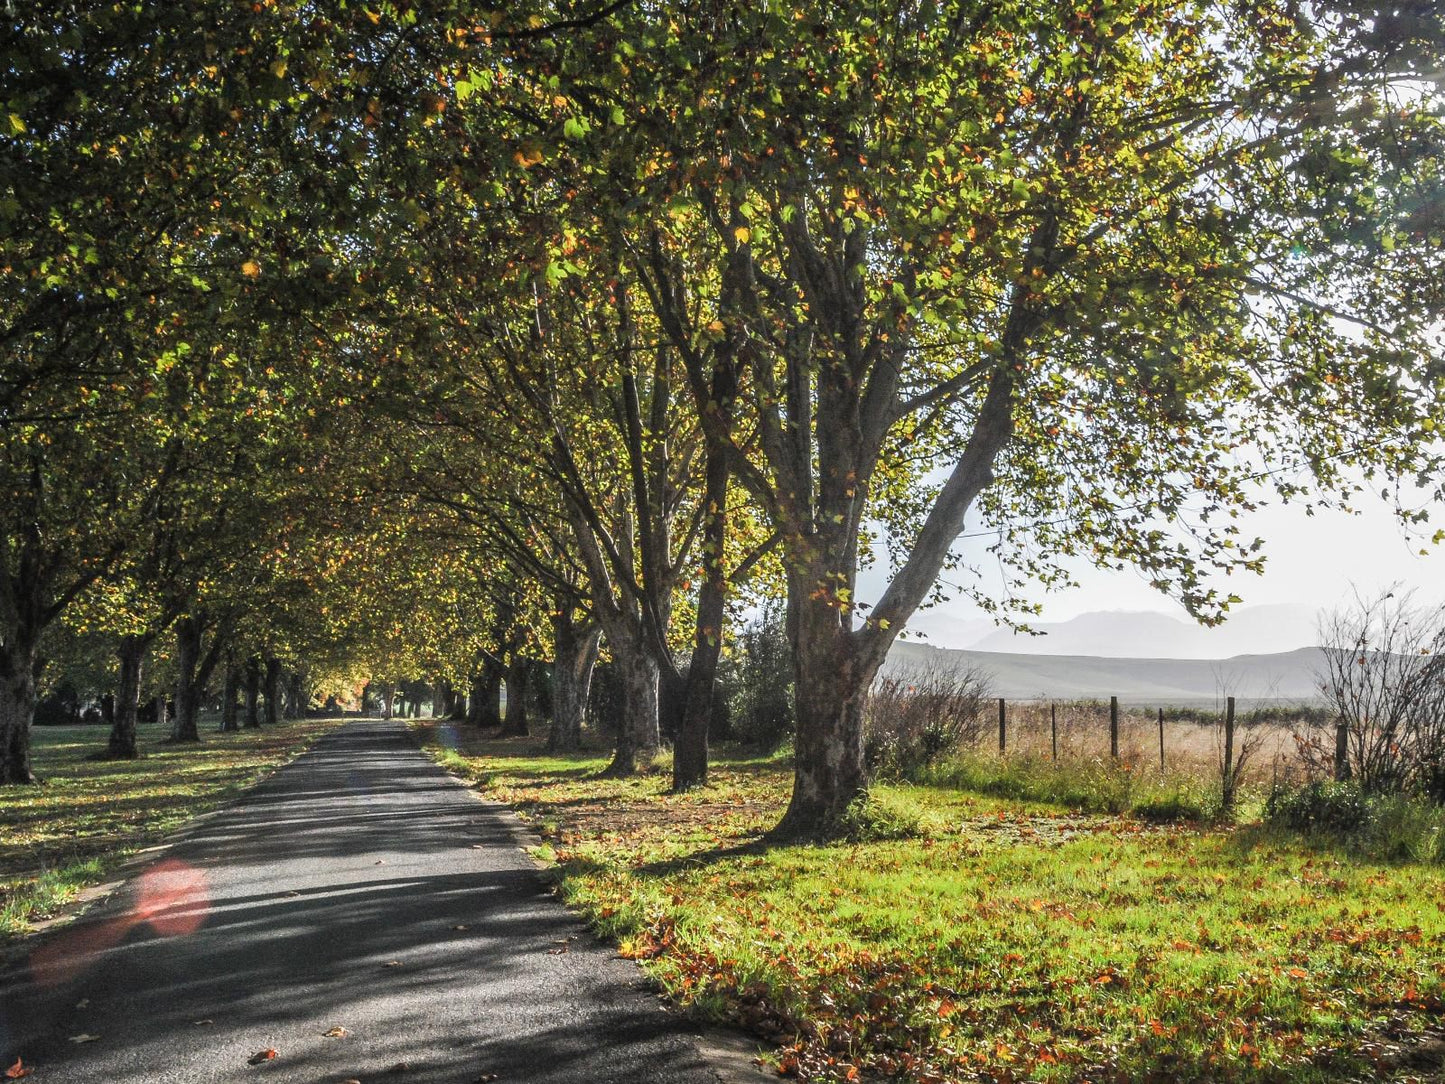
pixel 423 339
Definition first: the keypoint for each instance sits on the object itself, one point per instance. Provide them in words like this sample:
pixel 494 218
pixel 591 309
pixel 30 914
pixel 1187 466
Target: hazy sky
pixel 1312 561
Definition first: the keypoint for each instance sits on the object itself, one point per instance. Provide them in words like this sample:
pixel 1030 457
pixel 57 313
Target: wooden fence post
pixel 1342 751
pixel 1161 741
pixel 1002 715
pixel 1229 753
pixel 1114 727
pixel 1054 728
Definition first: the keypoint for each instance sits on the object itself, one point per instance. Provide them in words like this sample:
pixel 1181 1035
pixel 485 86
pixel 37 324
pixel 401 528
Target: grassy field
pixel 994 938
pixel 72 830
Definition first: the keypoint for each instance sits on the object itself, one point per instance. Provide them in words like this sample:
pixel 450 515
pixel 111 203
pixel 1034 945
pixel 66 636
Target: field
pixel 1193 740
pixel 87 815
pixel 963 936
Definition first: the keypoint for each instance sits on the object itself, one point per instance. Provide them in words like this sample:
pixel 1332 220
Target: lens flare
pixel 171 897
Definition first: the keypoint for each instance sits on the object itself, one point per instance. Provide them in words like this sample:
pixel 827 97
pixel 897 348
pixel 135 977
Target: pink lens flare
pixel 171 897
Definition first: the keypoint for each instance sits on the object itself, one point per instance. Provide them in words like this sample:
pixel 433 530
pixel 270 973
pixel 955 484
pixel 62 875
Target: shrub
pixel 1384 675
pixel 60 708
pixel 875 816
pixel 1318 807
pixel 1170 809
pixel 913 720
pixel 757 682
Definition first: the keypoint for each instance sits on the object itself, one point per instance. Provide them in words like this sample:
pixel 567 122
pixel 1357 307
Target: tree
pixel 1074 272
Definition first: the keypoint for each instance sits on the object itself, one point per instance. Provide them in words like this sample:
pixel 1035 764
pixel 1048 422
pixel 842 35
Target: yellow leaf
pixel 251 269
pixel 743 234
pixel 17 126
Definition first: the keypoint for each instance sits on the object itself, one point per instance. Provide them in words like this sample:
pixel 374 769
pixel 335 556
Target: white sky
pixel 1311 561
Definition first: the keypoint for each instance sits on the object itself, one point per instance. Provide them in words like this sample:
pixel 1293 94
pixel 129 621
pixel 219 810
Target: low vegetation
pixel 89 814
pixel 992 926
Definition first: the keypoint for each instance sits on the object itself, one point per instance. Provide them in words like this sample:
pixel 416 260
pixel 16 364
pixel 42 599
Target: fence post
pixel 1161 741
pixel 1114 727
pixel 1342 751
pixel 1001 717
pixel 1229 753
pixel 1054 729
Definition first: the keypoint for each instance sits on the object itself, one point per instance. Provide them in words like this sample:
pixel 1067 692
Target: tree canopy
pixel 433 341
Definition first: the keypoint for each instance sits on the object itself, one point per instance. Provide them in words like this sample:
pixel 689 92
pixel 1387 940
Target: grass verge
pixel 87 815
pixel 993 938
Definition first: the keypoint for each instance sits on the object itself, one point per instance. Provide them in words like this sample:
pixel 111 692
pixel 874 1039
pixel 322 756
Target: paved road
pixel 358 888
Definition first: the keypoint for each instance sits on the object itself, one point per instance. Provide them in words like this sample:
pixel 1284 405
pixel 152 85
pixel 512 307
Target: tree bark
pixel 829 770
pixel 689 748
pixel 188 696
pixel 637 733
pixel 485 707
pixel 296 695
pixel 515 724
pixel 230 713
pixel 253 692
pixel 19 672
pixel 273 690
pixel 577 649
pixel 388 692
pixel 130 655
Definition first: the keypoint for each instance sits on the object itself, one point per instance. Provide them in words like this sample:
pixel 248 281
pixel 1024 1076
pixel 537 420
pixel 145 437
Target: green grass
pixel 87 815
pixel 978 936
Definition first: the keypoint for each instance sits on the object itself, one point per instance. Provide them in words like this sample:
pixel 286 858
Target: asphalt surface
pixel 359 888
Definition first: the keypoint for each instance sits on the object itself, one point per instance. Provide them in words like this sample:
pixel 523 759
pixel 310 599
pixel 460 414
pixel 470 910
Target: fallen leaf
pixel 261 1056
pixel 399 1067
pixel 459 927
pixel 393 963
pixel 82 1003
pixel 379 862
pixel 84 1038
pixel 337 1032
pixel 203 1023
pixel 486 1078
pixel 18 1070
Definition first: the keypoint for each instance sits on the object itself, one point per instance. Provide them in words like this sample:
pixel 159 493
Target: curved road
pixel 362 889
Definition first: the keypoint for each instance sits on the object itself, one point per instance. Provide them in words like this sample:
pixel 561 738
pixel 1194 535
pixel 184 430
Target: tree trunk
pixel 637 733
pixel 253 692
pixel 387 695
pixel 689 748
pixel 572 682
pixel 515 724
pixel 188 693
pixel 163 710
pixel 230 714
pixel 829 771
pixel 485 710
pixel 130 655
pixel 273 690
pixel 296 695
pixel 19 671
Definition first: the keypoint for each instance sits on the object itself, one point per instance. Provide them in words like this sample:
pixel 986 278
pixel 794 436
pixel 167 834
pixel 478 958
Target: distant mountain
pixel 1286 675
pixel 1252 630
